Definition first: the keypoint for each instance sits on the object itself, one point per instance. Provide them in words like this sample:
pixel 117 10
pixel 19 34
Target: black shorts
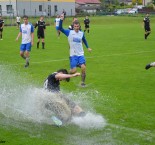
pixel 147 29
pixel 40 34
pixel 1 29
pixel 18 23
pixel 86 26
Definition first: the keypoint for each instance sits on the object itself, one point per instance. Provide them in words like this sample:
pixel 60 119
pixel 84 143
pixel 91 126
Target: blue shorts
pixel 76 61
pixel 25 47
pixel 57 28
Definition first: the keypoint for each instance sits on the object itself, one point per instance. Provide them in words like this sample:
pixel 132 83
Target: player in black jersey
pixel 1 27
pixel 52 84
pixel 86 22
pixel 40 32
pixel 147 28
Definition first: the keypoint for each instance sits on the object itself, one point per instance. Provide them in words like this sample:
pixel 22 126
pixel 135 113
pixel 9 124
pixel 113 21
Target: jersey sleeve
pixel 65 31
pixel 85 41
pixel 32 29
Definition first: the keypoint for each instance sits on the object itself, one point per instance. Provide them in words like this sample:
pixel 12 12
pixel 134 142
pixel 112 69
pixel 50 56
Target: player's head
pixel 25 19
pixel 76 25
pixel 64 71
pixel 0 17
pixel 147 15
pixel 41 18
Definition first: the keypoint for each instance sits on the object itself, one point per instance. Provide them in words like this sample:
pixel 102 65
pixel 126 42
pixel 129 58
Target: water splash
pixel 25 102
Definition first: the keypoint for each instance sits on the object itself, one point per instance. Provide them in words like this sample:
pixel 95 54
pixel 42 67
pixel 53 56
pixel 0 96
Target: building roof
pixel 87 1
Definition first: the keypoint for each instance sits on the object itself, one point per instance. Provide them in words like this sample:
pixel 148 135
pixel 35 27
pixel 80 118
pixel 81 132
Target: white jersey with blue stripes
pixel 75 42
pixel 26 31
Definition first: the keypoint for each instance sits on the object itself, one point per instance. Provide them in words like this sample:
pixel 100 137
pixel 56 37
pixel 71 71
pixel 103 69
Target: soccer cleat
pixel 56 121
pixel 83 84
pixel 147 66
pixel 27 64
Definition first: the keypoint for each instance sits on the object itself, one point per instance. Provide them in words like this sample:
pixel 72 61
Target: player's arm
pixel 19 34
pixel 44 25
pixel 32 35
pixel 2 24
pixel 65 76
pixel 65 31
pixel 86 44
pixel 36 25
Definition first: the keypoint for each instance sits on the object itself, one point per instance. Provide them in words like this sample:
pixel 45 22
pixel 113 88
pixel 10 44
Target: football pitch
pixel 119 91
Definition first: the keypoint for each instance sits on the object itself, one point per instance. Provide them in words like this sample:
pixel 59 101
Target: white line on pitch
pixel 117 54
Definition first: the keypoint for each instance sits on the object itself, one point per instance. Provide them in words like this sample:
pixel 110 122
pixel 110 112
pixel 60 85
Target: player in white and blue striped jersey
pixel 75 39
pixel 27 32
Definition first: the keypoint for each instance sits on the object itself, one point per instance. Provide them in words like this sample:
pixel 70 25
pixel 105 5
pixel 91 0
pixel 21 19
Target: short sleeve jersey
pixel 146 22
pixel 26 31
pixel 51 83
pixel 86 21
pixel 41 25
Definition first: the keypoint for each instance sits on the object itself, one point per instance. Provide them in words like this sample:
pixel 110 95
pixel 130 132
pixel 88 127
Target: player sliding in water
pixel 52 84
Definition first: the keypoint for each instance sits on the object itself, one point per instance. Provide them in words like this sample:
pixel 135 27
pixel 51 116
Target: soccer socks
pixel 146 35
pixel 1 35
pixel 43 45
pixel 27 62
pixel 88 31
pixel 37 44
pixel 83 77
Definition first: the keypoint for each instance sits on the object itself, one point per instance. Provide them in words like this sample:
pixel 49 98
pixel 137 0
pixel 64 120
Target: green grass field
pixel 119 88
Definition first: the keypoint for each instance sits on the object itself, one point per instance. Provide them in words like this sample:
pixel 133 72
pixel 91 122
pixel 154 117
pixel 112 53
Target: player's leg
pixel 1 31
pixel 22 50
pixel 27 54
pixel 58 33
pixel 88 29
pixel 73 64
pixel 82 63
pixel 43 41
pixel 83 74
pixel 152 64
pixel 148 32
pixel 85 29
pixel 38 34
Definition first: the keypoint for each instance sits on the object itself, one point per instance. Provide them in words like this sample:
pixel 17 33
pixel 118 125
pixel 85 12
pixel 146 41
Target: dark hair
pixel 64 71
pixel 25 17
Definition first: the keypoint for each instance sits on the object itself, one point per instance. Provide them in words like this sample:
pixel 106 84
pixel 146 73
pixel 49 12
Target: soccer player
pixel 56 22
pixel 40 32
pixel 27 32
pixel 1 27
pixel 147 28
pixel 18 21
pixel 75 39
pixel 86 22
pixel 52 84
pixel 152 64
